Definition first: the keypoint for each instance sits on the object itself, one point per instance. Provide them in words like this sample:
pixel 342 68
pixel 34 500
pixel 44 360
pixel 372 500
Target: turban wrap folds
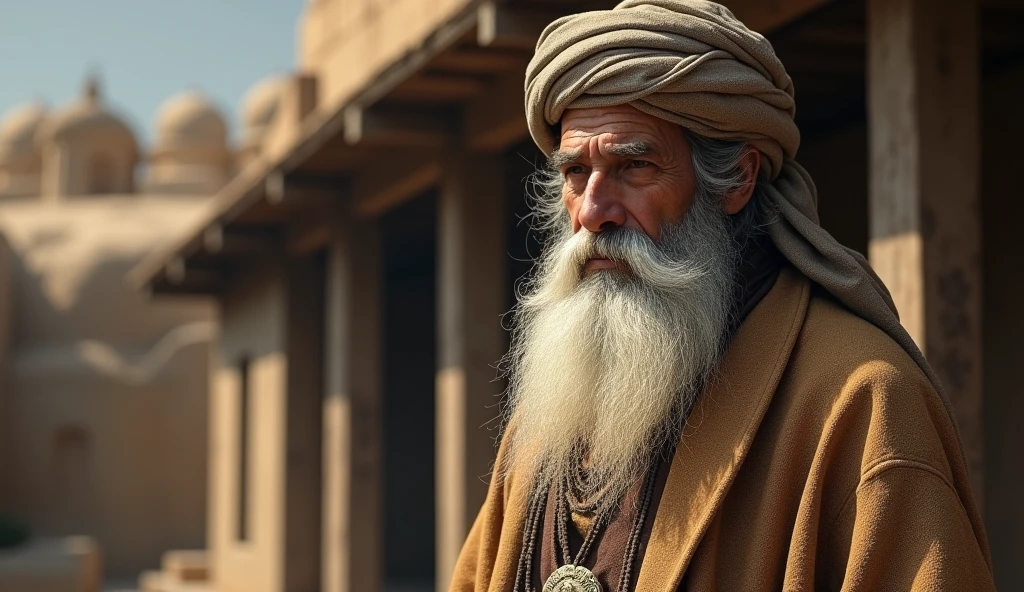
pixel 691 62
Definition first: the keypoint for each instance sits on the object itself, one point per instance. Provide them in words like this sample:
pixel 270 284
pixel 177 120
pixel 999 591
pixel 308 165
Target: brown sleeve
pixel 906 529
pixel 475 565
pixel 467 568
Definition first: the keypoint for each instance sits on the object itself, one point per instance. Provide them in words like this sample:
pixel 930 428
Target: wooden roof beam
pixel 438 87
pixel 514 27
pixel 382 187
pixel 297 190
pixel 238 243
pixel 495 119
pixel 310 233
pixel 183 278
pixel 398 127
pixel 765 17
pixel 159 288
pixel 473 60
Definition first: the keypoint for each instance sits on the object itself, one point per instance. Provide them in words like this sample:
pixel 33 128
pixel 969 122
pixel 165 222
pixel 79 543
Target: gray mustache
pixel 618 244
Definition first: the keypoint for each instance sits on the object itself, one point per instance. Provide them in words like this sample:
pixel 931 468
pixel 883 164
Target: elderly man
pixel 706 391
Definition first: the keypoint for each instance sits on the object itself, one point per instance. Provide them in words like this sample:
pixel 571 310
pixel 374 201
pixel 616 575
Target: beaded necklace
pixel 572 576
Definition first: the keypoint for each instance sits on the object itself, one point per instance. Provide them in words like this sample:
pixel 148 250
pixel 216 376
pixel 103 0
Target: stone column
pixel 471 289
pixel 353 462
pixel 923 87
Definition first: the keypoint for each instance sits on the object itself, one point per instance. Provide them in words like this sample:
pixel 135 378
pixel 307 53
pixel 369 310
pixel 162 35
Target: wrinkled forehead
pixel 622 124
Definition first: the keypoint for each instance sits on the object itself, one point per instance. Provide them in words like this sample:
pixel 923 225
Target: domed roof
pixel 190 119
pixel 261 102
pixel 86 116
pixel 18 129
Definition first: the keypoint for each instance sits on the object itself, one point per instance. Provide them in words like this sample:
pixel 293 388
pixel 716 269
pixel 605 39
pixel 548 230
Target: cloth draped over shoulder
pixel 691 62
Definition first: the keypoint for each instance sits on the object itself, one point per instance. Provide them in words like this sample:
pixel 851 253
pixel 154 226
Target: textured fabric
pixel 821 459
pixel 693 63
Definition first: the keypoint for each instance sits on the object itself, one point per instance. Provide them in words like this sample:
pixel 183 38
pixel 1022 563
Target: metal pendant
pixel 572 578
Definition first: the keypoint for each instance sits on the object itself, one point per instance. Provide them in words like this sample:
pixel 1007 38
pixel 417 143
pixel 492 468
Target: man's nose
pixel 602 207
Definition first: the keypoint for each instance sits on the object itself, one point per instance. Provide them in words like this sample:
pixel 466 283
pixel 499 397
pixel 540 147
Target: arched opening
pixel 71 465
pixel 101 175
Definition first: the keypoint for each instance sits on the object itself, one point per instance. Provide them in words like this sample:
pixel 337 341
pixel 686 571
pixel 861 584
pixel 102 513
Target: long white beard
pixel 605 366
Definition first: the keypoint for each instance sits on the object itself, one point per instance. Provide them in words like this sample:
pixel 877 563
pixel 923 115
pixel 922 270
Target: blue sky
pixel 144 50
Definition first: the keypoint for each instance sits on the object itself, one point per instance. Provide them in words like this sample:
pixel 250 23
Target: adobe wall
pixel 348 42
pixel 105 390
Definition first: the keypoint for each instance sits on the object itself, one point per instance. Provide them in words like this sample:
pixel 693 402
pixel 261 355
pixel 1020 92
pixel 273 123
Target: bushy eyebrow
pixel 560 158
pixel 631 149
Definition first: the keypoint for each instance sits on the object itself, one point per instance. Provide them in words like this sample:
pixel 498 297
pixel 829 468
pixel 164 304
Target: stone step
pixel 187 566
pixel 158 581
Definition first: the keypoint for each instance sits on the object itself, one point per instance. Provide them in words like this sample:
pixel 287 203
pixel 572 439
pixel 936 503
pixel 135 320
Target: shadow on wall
pixel 91 301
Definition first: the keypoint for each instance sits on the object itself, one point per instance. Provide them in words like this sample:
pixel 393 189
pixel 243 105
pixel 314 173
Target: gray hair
pixel 718 169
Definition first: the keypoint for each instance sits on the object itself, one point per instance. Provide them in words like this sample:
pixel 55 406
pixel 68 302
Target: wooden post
pixel 353 473
pixel 471 287
pixel 923 81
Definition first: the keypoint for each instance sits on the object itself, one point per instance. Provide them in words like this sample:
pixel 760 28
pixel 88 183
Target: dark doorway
pixel 303 479
pixel 410 344
pixel 825 53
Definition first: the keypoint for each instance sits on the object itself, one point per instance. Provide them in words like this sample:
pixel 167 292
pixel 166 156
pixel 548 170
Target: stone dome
pixel 260 103
pixel 18 129
pixel 191 153
pixel 86 119
pixel 87 149
pixel 258 109
pixel 190 121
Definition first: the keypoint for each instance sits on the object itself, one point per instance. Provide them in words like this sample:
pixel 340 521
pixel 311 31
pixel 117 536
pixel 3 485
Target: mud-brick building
pixel 362 264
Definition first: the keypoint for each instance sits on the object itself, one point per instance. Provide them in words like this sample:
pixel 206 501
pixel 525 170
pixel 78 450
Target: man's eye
pixel 639 164
pixel 574 170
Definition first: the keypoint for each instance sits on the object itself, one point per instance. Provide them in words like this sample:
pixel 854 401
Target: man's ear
pixel 738 199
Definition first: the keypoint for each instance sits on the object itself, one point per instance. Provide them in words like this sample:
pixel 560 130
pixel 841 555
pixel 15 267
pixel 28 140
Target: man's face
pixel 605 364
pixel 623 167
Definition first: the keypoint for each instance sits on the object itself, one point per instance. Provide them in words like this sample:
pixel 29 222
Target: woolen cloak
pixel 821 458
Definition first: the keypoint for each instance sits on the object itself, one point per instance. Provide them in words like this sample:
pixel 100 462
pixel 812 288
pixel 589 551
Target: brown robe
pixel 821 459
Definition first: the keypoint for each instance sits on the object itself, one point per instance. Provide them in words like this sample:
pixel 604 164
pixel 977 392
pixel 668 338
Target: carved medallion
pixel 572 578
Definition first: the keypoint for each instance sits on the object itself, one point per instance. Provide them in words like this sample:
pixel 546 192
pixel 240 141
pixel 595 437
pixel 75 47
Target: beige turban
pixel 693 63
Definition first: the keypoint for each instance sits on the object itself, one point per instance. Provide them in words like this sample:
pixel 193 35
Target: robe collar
pixel 720 430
